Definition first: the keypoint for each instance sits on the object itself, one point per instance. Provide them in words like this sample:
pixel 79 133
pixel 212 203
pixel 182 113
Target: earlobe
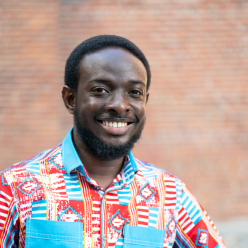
pixel 69 98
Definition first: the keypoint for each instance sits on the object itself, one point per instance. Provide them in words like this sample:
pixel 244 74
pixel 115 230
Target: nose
pixel 118 103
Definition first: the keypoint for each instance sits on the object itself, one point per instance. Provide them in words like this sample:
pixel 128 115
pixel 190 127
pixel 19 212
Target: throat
pixel 104 181
pixel 103 172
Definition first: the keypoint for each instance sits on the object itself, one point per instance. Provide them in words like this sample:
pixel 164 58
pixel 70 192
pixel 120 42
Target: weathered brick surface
pixel 197 116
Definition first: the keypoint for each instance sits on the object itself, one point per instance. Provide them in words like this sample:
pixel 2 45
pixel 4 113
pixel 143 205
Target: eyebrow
pixel 137 82
pixel 102 80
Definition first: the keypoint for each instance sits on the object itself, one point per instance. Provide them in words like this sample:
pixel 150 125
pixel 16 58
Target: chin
pixel 107 147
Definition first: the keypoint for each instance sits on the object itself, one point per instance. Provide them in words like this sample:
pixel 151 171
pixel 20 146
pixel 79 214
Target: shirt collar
pixel 72 161
pixel 70 158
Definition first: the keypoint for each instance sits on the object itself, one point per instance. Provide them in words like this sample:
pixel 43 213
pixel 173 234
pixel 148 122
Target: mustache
pixel 120 117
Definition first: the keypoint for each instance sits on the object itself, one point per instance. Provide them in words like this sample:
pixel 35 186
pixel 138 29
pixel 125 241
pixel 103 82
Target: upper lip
pixel 118 119
pixel 129 120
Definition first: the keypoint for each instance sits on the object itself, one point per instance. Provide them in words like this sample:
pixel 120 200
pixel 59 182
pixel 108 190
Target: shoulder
pixel 150 170
pixel 33 161
pixel 24 178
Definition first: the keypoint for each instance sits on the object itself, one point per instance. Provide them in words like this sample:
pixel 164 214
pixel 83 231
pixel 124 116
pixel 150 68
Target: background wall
pixel 197 117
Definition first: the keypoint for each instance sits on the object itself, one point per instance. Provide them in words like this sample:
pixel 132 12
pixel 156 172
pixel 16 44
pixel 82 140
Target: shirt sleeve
pixel 194 228
pixel 9 221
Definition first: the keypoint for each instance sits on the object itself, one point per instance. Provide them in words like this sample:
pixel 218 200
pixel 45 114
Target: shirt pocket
pixel 44 233
pixel 145 237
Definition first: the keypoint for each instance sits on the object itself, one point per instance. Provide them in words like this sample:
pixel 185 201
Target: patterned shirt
pixel 50 201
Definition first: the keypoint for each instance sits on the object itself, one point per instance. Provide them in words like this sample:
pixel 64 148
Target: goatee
pixel 100 149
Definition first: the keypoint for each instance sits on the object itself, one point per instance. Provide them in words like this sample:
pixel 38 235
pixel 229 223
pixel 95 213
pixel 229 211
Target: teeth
pixel 114 124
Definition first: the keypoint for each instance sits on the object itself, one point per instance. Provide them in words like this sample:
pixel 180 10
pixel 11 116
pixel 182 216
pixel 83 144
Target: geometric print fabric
pixel 141 195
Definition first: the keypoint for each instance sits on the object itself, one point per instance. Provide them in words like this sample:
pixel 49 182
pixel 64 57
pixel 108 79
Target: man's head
pixel 106 90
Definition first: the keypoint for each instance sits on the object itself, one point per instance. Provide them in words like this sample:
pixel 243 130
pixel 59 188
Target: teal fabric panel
pixel 145 237
pixel 46 233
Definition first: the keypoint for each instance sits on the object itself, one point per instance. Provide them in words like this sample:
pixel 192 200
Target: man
pixel 90 191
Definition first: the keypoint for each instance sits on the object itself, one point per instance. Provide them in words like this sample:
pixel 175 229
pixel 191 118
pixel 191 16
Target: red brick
pixel 197 118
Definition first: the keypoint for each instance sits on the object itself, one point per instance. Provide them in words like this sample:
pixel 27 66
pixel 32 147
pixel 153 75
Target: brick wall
pixel 197 117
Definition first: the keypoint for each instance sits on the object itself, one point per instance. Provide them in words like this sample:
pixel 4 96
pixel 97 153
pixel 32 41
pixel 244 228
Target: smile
pixel 114 124
pixel 115 127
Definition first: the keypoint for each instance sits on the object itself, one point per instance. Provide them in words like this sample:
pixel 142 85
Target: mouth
pixel 115 127
pixel 115 124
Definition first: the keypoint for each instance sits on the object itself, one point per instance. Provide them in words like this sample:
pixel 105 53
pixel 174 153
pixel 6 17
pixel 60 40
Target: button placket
pixel 104 237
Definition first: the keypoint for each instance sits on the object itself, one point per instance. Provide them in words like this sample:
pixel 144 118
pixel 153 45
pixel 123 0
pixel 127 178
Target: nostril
pixel 118 107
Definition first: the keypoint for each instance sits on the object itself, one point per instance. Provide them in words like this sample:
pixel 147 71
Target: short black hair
pixel 97 43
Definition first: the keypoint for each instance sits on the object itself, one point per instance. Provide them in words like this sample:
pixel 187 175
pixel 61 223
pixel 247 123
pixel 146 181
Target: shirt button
pixel 104 238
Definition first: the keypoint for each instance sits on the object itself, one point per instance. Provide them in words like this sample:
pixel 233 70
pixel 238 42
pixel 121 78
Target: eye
pixel 99 91
pixel 136 92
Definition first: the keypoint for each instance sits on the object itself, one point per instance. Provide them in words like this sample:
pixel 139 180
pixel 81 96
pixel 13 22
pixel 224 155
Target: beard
pixel 99 148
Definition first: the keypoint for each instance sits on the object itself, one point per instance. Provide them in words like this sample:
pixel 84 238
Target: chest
pixel 98 219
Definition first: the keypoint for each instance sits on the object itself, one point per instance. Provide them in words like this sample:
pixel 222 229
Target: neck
pixel 102 171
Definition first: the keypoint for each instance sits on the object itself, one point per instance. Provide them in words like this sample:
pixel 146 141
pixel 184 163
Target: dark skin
pixel 112 82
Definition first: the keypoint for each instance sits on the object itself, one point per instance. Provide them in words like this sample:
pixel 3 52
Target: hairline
pixel 103 48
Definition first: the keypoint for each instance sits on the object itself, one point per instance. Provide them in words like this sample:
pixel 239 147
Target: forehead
pixel 112 61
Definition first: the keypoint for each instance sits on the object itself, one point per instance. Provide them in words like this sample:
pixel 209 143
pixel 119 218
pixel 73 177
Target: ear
pixel 69 98
pixel 147 97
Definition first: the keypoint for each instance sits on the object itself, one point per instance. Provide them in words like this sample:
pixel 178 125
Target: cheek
pixel 91 106
pixel 140 111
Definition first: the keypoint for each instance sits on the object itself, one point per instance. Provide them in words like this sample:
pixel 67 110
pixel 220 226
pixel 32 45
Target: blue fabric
pixel 70 158
pixel 145 237
pixel 49 234
pixel 132 160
